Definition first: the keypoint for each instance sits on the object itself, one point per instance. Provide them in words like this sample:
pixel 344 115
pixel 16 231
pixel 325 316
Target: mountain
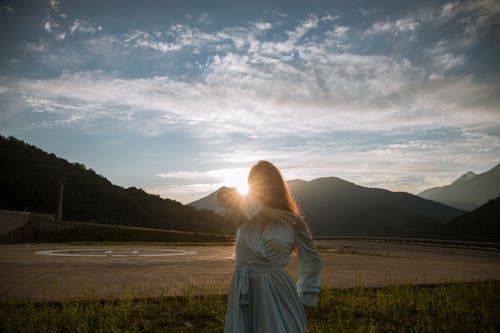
pixel 29 180
pixel 469 191
pixel 482 222
pixel 209 202
pixel 333 206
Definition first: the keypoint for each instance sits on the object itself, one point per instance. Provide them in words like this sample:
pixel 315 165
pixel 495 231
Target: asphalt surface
pixel 59 271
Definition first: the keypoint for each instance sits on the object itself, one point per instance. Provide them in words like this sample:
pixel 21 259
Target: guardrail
pixel 417 240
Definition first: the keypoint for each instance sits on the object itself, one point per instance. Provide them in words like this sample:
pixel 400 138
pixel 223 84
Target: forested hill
pixel 482 222
pixel 29 179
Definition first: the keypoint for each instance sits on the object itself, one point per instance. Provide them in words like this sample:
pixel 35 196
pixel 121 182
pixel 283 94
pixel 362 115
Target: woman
pixel 263 297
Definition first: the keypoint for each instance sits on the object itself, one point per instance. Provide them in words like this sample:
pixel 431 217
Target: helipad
pixel 86 252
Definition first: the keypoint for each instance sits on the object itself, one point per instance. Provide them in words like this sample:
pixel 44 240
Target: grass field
pixel 457 307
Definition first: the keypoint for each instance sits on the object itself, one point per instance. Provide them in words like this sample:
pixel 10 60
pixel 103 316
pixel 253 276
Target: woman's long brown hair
pixel 268 185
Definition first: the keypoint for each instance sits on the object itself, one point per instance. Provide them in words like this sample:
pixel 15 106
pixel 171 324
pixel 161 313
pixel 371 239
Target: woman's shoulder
pixel 281 216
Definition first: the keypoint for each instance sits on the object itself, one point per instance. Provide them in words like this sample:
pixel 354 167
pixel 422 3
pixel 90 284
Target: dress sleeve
pixel 309 265
pixel 235 217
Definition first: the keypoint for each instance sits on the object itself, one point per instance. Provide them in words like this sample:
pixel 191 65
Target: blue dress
pixel 263 296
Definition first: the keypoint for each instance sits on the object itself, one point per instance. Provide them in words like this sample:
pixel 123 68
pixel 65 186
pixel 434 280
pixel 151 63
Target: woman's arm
pixel 230 200
pixel 309 265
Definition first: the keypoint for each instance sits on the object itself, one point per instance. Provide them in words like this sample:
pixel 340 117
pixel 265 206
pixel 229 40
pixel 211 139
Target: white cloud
pixel 184 193
pixel 263 25
pixel 50 25
pixel 267 88
pixel 278 84
pixel 83 27
pixel 329 18
pixel 33 47
pixel 449 9
pixel 198 183
pixel 303 28
pixel 443 58
pixel 395 27
pixel 338 32
pixel 144 40
pixel 54 5
pixel 410 165
pixel 362 93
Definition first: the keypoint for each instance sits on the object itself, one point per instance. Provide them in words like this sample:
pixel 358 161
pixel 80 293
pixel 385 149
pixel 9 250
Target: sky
pixel 182 97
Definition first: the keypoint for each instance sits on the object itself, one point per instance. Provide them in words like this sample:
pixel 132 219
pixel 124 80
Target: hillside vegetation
pixel 29 179
pixel 482 222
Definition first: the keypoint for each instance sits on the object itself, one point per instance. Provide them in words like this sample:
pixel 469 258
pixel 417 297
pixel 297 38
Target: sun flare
pixel 237 178
pixel 242 188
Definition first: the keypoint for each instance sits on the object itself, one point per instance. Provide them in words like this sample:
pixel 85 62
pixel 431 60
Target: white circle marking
pixel 109 253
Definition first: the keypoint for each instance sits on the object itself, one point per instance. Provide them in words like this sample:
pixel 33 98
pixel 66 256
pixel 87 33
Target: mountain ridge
pixel 467 192
pixel 333 206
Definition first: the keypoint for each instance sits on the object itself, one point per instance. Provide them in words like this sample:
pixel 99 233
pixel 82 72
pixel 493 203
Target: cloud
pixel 7 8
pixel 263 25
pixel 198 183
pixel 256 86
pixel 52 25
pixel 205 18
pixel 83 27
pixel 216 175
pixel 55 23
pixel 33 47
pixel 329 18
pixel 146 41
pixel 272 102
pixel 338 32
pixel 184 193
pixel 303 28
pixel 277 83
pixel 442 57
pixel 393 161
pixel 394 27
pixel 474 16
pixel 449 9
pixel 54 5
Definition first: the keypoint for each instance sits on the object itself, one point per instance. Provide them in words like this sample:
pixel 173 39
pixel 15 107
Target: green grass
pixel 457 307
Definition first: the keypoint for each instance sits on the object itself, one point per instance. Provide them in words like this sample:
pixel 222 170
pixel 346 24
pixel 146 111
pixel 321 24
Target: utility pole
pixel 62 182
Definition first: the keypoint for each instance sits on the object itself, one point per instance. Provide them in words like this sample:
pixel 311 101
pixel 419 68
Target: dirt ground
pixel 79 271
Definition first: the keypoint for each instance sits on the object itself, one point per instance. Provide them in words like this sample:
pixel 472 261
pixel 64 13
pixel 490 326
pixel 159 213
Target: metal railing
pixel 493 243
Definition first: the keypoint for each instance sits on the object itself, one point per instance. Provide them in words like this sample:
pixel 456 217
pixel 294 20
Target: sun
pixel 242 188
pixel 236 177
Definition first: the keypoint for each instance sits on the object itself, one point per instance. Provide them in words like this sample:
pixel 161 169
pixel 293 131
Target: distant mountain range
pixel 29 180
pixel 210 203
pixel 469 191
pixel 333 206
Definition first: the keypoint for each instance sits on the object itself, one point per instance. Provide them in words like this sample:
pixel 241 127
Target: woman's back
pixel 263 296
